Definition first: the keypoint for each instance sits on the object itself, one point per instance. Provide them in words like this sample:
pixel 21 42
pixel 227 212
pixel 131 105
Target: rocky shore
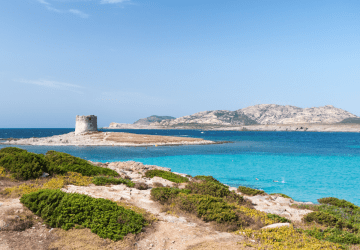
pixel 170 231
pixel 108 139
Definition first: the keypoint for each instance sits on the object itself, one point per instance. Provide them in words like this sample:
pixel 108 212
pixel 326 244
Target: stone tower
pixel 85 123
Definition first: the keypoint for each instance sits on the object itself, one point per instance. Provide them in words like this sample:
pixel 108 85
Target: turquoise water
pixel 306 165
pixel 303 177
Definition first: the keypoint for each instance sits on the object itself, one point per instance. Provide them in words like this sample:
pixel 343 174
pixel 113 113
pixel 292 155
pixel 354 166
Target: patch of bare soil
pixel 141 139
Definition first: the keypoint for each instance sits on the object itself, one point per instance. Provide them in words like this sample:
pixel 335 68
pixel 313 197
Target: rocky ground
pixel 109 139
pixel 169 231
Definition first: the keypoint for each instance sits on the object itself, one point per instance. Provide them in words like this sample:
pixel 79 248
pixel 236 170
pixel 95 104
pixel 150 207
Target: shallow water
pixel 306 165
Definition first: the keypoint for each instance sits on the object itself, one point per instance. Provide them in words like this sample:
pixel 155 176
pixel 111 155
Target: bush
pixel 23 165
pixel 103 217
pixel 12 150
pixel 164 194
pixel 102 181
pixel 337 202
pixel 214 189
pixel 327 219
pixel 141 186
pixel 334 235
pixel 277 218
pixel 250 191
pixel 209 179
pixel 69 163
pixel 166 175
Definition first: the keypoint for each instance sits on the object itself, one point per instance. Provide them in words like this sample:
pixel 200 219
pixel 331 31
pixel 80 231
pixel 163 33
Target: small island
pixel 86 134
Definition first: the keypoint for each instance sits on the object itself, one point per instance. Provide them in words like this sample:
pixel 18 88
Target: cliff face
pixel 278 114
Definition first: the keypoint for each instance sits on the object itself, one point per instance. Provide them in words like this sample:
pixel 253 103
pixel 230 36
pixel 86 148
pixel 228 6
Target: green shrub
pixel 12 150
pixel 102 181
pixel 166 175
pixel 207 207
pixel 334 235
pixel 24 165
pixel 103 217
pixel 277 218
pixel 250 191
pixel 164 194
pixel 329 220
pixel 282 195
pixel 214 189
pixel 351 216
pixel 209 179
pixel 337 202
pixel 69 163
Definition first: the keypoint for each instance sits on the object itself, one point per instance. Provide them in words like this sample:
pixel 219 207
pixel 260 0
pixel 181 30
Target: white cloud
pixel 113 1
pixel 53 84
pixel 79 13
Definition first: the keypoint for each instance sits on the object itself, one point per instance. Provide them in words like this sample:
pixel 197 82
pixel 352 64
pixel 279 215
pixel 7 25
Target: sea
pixel 304 165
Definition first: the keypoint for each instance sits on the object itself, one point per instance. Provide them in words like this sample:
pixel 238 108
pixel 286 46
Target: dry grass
pixel 85 239
pixel 222 245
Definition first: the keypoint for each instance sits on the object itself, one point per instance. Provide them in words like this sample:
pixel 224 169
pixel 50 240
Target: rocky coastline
pixel 108 139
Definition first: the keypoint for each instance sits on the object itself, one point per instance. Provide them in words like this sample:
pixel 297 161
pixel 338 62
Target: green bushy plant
pixel 337 202
pixel 12 150
pixel 277 218
pixel 209 179
pixel 102 181
pixel 103 217
pixel 164 194
pixel 214 189
pixel 329 220
pixel 166 175
pixel 69 163
pixel 335 235
pixel 250 191
pixel 24 165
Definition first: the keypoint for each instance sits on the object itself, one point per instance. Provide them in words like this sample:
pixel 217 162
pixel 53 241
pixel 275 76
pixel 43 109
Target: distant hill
pixel 258 114
pixel 351 120
pixel 153 119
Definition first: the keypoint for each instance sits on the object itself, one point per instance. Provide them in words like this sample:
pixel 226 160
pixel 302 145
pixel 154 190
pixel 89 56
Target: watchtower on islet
pixel 85 123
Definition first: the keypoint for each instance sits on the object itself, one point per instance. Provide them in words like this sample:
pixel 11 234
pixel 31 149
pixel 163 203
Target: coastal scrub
pixel 102 181
pixel 166 175
pixel 103 217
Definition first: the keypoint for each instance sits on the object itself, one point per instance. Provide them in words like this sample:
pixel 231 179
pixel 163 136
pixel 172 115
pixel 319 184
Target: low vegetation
pixel 337 203
pixel 102 181
pixel 250 191
pixel 166 175
pixel 286 238
pixel 23 165
pixel 103 217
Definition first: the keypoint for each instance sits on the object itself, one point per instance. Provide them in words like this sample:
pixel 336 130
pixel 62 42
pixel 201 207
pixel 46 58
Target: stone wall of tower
pixel 85 124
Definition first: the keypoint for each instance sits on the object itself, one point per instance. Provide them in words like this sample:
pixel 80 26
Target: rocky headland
pixel 263 117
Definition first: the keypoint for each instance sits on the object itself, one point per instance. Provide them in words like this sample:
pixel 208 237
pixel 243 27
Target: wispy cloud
pixel 113 1
pixel 79 13
pixel 72 11
pixel 53 84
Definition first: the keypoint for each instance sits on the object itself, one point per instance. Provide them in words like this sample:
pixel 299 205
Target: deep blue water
pixel 307 165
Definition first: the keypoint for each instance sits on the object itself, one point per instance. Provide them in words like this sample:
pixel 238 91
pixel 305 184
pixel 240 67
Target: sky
pixel 123 60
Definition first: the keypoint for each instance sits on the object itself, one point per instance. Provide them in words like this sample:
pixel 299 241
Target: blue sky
pixel 125 60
